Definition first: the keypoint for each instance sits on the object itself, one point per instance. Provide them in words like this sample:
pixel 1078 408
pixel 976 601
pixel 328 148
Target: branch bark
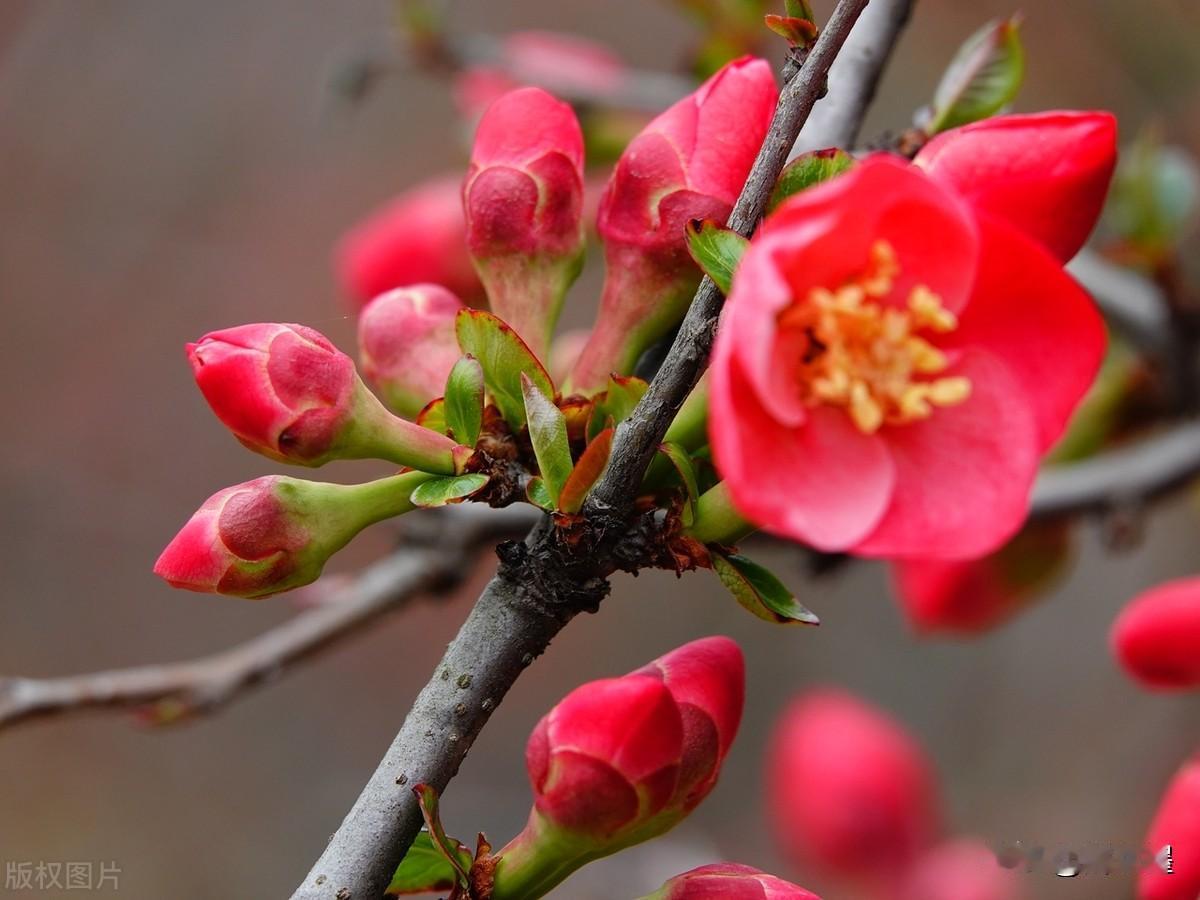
pixel 438 561
pixel 836 120
pixel 1116 479
pixel 544 582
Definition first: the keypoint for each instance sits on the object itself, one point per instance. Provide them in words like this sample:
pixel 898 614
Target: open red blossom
pixel 1177 823
pixel 729 881
pixel 891 365
pixel 1045 173
pixel 962 869
pixel 688 163
pixel 1157 636
pixel 420 236
pixel 848 789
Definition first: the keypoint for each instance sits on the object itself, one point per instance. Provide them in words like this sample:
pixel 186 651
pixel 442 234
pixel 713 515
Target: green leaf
pixel 796 30
pixel 616 404
pixel 716 250
pixel 504 358
pixel 799 9
pixel 433 416
pixel 687 474
pixel 451 850
pixel 759 591
pixel 587 472
pixel 809 169
pixel 983 77
pixel 548 434
pixel 538 494
pixel 1155 195
pixel 424 869
pixel 451 489
pixel 464 400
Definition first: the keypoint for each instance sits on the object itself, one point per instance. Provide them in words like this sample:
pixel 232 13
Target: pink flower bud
pixel 1046 173
pixel 567 62
pixel 729 881
pixel 419 237
pixel 848 789
pixel 961 870
pixel 275 533
pixel 1177 823
pixel 286 392
pixel 689 163
pixel 1157 636
pixel 523 198
pixel 622 760
pixel 408 346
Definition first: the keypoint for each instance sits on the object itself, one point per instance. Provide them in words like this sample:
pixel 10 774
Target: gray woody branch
pixel 543 582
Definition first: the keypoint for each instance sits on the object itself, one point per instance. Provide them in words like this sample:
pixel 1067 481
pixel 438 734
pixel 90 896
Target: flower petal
pixel 1034 317
pixel 963 475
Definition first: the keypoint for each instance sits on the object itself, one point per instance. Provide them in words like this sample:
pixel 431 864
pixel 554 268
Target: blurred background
pixel 171 167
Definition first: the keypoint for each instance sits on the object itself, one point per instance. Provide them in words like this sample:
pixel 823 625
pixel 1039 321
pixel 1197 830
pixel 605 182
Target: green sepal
pixel 548 434
pixel 687 474
pixel 983 77
pixel 425 868
pixel 616 404
pixel 504 358
pixel 716 250
pixel 451 489
pixel 760 591
pixel 807 170
pixel 464 400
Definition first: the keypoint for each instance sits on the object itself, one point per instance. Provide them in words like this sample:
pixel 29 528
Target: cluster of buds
pixel 621 760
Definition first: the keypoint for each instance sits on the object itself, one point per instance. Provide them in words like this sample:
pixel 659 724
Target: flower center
pixel 870 358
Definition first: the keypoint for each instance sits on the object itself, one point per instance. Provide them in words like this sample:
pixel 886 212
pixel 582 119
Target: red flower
pixel 891 365
pixel 622 760
pixel 1177 823
pixel 729 881
pixel 961 870
pixel 688 163
pixel 1045 173
pixel 523 198
pixel 848 789
pixel 568 63
pixel 420 236
pixel 286 392
pixel 408 346
pixel 1157 636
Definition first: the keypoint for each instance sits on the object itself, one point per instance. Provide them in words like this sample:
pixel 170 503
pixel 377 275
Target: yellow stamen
pixel 870 358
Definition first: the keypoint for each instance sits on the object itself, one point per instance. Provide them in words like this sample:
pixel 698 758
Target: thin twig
pixel 544 582
pixel 1117 479
pixel 836 119
pixel 438 561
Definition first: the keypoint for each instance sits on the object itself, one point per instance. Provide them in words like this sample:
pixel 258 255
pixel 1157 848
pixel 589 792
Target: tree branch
pixel 1122 477
pixel 547 580
pixel 436 561
pixel 836 120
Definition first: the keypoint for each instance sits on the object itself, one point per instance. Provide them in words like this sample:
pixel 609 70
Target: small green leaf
pixel 504 358
pixel 616 404
pixel 796 30
pixel 424 869
pixel 586 472
pixel 464 400
pixel 538 494
pixel 716 250
pixel 451 489
pixel 451 849
pixel 687 474
pixel 809 169
pixel 759 591
pixel 548 434
pixel 433 416
pixel 799 9
pixel 983 77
